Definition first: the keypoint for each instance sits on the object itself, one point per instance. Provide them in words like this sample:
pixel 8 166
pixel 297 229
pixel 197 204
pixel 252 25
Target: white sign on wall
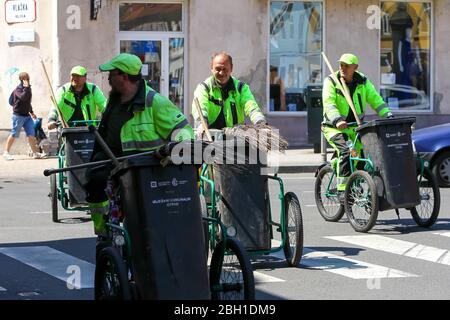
pixel 17 11
pixel 20 35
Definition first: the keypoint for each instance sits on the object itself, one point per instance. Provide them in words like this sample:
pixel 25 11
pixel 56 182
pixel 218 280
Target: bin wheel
pixel 426 213
pixel 325 192
pixel 111 276
pixel 231 273
pixel 54 197
pixel 293 245
pixel 361 201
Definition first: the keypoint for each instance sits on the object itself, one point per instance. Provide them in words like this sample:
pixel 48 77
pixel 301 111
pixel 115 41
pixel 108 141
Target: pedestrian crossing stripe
pixel 55 263
pixel 350 268
pixel 398 247
pixel 62 266
pixel 445 234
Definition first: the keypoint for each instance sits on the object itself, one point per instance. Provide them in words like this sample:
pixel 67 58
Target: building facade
pixel 276 48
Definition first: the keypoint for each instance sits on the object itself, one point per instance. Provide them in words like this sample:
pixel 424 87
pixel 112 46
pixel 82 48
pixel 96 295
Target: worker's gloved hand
pixel 342 125
pixel 390 115
pixel 52 125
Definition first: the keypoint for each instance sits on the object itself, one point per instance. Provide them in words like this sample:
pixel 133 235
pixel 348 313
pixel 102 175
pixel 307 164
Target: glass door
pixel 150 53
pixel 154 31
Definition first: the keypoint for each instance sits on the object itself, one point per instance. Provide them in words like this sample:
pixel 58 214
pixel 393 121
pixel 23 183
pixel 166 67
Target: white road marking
pixel 2 289
pixel 54 263
pixel 343 266
pixel 445 234
pixel 399 247
pixel 264 278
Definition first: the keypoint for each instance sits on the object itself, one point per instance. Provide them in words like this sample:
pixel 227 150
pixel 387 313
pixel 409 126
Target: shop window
pixel 405 55
pixel 295 52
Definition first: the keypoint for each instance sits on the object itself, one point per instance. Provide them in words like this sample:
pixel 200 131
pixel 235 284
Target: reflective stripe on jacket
pixel 239 103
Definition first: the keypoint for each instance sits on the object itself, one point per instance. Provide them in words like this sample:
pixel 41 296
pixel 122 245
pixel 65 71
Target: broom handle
pixel 52 97
pixel 345 89
pixel 202 119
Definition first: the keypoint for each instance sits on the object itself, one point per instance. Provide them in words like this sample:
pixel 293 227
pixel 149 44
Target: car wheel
pixel 441 169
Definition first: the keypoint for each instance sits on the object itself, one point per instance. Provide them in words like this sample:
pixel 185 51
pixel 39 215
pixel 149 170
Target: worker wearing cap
pixel 223 99
pixel 338 119
pixel 136 119
pixel 77 100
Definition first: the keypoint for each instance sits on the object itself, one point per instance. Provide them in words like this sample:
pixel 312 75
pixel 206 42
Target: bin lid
pixel 143 161
pixel 67 131
pixel 383 122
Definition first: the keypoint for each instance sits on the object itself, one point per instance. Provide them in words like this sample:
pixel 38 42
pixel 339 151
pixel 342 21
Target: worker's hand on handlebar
pixel 52 125
pixel 342 124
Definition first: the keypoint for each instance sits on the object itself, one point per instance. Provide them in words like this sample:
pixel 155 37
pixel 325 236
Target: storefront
pixel 276 48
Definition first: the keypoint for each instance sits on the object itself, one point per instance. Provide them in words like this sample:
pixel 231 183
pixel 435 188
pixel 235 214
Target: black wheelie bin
pixel 164 222
pixel 79 143
pixel 388 144
pixel 244 197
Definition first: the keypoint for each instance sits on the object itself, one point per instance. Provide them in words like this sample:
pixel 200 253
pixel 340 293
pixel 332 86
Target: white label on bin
pixel 173 202
pixel 173 183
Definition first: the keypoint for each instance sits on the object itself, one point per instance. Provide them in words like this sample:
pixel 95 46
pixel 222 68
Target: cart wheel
pixel 111 276
pixel 325 192
pixel 54 197
pixel 361 201
pixel 231 274
pixel 293 245
pixel 426 213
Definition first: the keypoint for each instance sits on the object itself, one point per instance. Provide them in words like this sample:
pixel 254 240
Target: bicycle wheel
pixel 111 276
pixel 54 197
pixel 325 192
pixel 426 213
pixel 361 201
pixel 293 245
pixel 231 274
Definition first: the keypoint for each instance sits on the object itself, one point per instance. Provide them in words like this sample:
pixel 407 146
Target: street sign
pixel 17 11
pixel 20 35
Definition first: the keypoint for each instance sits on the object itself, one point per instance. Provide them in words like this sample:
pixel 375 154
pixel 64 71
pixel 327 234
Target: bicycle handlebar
pixel 162 152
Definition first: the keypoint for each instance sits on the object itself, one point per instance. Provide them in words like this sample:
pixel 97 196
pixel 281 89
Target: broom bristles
pixel 260 136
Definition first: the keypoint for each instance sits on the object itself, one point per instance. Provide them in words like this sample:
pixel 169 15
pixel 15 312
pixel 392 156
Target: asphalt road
pixel 39 259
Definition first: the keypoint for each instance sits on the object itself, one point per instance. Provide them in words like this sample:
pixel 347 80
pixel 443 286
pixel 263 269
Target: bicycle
pixel 290 225
pixel 158 263
pixel 367 191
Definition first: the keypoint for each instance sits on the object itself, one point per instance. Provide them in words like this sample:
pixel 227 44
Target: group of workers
pixel 136 118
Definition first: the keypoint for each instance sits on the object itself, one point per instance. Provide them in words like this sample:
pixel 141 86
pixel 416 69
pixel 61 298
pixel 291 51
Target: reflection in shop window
pixel 405 54
pixel 176 71
pixel 295 47
pixel 150 17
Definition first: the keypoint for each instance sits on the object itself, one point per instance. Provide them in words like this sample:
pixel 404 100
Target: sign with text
pixel 17 11
pixel 20 35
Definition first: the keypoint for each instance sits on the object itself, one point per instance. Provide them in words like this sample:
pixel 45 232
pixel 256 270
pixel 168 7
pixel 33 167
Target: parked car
pixel 433 144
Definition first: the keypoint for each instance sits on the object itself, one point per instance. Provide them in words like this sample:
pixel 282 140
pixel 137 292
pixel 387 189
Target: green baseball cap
pixel 79 70
pixel 128 63
pixel 348 58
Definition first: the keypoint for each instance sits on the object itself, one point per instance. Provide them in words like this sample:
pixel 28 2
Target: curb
pixel 309 168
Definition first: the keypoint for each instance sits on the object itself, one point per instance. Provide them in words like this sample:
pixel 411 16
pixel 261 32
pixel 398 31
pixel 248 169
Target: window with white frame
pixel 405 55
pixel 295 47
pixel 155 32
